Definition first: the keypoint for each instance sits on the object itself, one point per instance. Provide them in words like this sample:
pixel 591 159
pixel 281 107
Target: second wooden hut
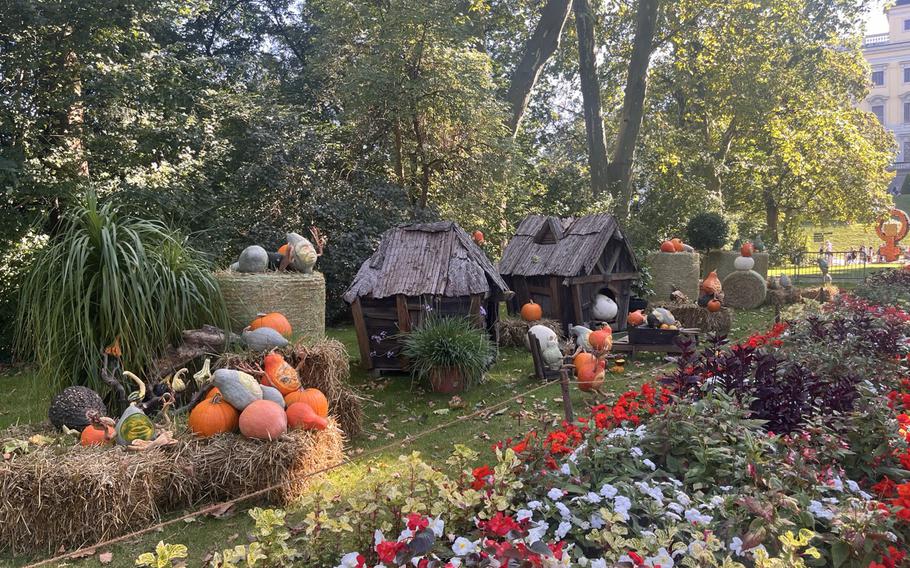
pixel 419 269
pixel 562 264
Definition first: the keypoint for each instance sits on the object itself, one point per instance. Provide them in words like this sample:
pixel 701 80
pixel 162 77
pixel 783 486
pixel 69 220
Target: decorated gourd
pixel 237 388
pixel 253 259
pixel 263 420
pixel 303 253
pixel 636 318
pixel 601 339
pixel 213 416
pixel 746 249
pixel 134 425
pixel 302 416
pixel 273 394
pixel 313 397
pixel 279 374
pixel 275 321
pixel 711 284
pixel 99 432
pixel 667 246
pixel 531 311
pixel 664 316
pixel 677 245
pixel 604 308
pixel 69 408
pixel 263 339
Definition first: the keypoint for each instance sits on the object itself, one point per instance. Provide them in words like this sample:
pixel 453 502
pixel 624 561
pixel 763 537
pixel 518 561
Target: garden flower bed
pixel 788 449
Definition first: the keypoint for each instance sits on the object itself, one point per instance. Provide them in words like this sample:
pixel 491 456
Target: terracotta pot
pixel 447 380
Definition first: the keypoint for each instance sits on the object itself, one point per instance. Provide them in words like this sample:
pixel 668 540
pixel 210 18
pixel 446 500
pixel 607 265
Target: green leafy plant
pixel 108 275
pixel 164 556
pixel 707 230
pixel 447 343
pixel 270 545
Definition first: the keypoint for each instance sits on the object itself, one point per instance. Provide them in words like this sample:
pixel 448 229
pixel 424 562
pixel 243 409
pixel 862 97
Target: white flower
pixel 683 499
pixel 736 546
pixel 455 561
pixel 378 537
pixel 853 486
pixel 534 505
pixel 696 517
pixel 522 514
pixel 599 563
pixel 405 534
pixel 717 501
pixel 675 507
pixel 837 484
pixel 593 498
pixel 726 488
pixel 563 510
pixel 608 491
pixel 653 492
pixel 662 559
pixel 673 516
pixel 621 506
pixel 819 511
pixel 463 546
pixel 636 452
pixel 565 469
pixel 538 531
pixel 349 560
pixel 596 521
pixel 555 494
pixel 865 495
pixel 563 529
pixel 438 526
pixel 641 431
pixel 649 463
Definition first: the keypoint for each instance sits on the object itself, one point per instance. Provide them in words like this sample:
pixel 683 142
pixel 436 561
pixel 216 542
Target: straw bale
pixel 321 364
pixel 63 497
pixel 678 270
pixel 784 296
pixel 300 297
pixel 744 289
pixel 513 332
pixel 693 315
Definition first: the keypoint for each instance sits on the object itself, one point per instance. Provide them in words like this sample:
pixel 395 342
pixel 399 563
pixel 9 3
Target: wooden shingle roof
pixel 575 250
pixel 438 259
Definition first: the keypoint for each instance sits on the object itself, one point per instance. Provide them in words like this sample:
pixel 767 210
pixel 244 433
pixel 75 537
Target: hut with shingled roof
pixel 418 269
pixel 562 264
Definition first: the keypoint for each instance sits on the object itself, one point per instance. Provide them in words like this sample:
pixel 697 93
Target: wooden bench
pixel 622 345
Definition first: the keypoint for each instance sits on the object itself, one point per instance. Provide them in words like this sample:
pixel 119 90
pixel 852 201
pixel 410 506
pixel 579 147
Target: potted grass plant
pixel 448 353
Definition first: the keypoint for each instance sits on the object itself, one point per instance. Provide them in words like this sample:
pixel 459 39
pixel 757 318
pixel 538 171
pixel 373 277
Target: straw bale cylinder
pixel 55 498
pixel 722 261
pixel 784 296
pixel 513 332
pixel 693 315
pixel 300 297
pixel 744 289
pixel 671 270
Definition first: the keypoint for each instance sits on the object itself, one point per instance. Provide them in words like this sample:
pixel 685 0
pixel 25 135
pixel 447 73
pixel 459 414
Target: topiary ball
pixel 69 407
pixel 707 230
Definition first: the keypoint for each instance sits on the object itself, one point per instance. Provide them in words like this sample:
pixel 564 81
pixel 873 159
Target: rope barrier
pixel 80 552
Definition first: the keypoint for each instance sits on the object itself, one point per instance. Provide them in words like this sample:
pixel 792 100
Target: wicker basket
pixel 300 297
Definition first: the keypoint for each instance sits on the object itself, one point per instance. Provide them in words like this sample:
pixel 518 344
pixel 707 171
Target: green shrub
pixel 448 343
pixel 108 276
pixel 707 230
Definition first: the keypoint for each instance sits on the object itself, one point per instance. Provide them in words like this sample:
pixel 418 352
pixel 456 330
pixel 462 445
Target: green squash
pixel 237 388
pixel 134 425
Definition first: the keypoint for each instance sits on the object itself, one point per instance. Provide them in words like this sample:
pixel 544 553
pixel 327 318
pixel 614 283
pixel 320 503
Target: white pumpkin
pixel 253 259
pixel 304 256
pixel 604 309
pixel 544 336
pixel 744 263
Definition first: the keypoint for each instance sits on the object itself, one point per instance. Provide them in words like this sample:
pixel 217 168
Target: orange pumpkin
pixel 302 416
pixel 583 362
pixel 711 284
pixel 213 416
pixel 275 321
pixel 212 392
pixel 667 246
pixel 279 374
pixel 314 397
pixel 97 435
pixel 283 249
pixel 478 237
pixel 592 378
pixel 747 249
pixel 531 311
pixel 601 339
pixel 636 318
pixel 677 245
pixel 263 420
pixel 714 305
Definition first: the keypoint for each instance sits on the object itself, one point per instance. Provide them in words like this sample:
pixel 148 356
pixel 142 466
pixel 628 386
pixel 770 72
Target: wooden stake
pixel 566 399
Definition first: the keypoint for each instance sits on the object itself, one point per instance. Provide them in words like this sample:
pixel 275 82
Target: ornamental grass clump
pixel 447 344
pixel 109 276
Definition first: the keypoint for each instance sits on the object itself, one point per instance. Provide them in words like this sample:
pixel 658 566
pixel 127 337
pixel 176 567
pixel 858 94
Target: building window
pixel 906 151
pixel 879 112
pixel 907 113
pixel 906 25
pixel 878 78
pixel 907 74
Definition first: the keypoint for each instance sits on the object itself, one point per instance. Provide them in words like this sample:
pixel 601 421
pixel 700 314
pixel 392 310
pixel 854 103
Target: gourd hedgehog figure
pixel 70 406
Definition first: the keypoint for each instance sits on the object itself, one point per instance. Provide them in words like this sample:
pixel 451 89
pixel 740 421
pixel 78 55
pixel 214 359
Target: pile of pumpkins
pixel 267 332
pixel 659 318
pixel 675 245
pixel 82 409
pixel 298 253
pixel 262 410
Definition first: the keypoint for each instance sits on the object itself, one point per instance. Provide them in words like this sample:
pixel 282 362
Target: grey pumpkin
pixel 263 339
pixel 237 388
pixel 69 407
pixel 273 394
pixel 253 259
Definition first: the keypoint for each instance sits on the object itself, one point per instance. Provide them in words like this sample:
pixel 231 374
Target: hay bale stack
pixel 744 289
pixel 300 297
pixel 513 332
pixel 722 262
pixel 784 296
pixel 671 270
pixel 323 365
pixel 693 315
pixel 64 497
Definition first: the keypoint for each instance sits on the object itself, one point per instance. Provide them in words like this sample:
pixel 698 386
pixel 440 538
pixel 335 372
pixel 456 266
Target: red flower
pixel 500 524
pixel 388 550
pixel 482 475
pixel 417 522
pixel 885 487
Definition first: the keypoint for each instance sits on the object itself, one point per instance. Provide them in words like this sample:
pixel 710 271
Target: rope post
pixel 566 399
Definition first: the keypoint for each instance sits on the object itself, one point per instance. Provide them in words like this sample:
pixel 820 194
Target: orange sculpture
pixel 891 229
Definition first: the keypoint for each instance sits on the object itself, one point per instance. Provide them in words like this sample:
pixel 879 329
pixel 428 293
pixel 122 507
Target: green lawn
pixel 394 410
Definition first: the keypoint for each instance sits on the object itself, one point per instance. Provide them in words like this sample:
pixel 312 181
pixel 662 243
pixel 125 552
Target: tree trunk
pixel 75 117
pixel 633 107
pixel 539 48
pixel 590 91
pixel 772 218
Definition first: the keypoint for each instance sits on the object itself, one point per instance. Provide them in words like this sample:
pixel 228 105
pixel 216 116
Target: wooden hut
pixel 563 263
pixel 418 269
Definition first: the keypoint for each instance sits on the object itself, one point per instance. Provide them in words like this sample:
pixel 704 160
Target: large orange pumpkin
pixel 667 246
pixel 279 374
pixel 677 245
pixel 213 416
pixel 302 416
pixel 97 435
pixel 263 420
pixel 601 339
pixel 313 397
pixel 275 321
pixel 636 318
pixel 747 249
pixel 531 311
